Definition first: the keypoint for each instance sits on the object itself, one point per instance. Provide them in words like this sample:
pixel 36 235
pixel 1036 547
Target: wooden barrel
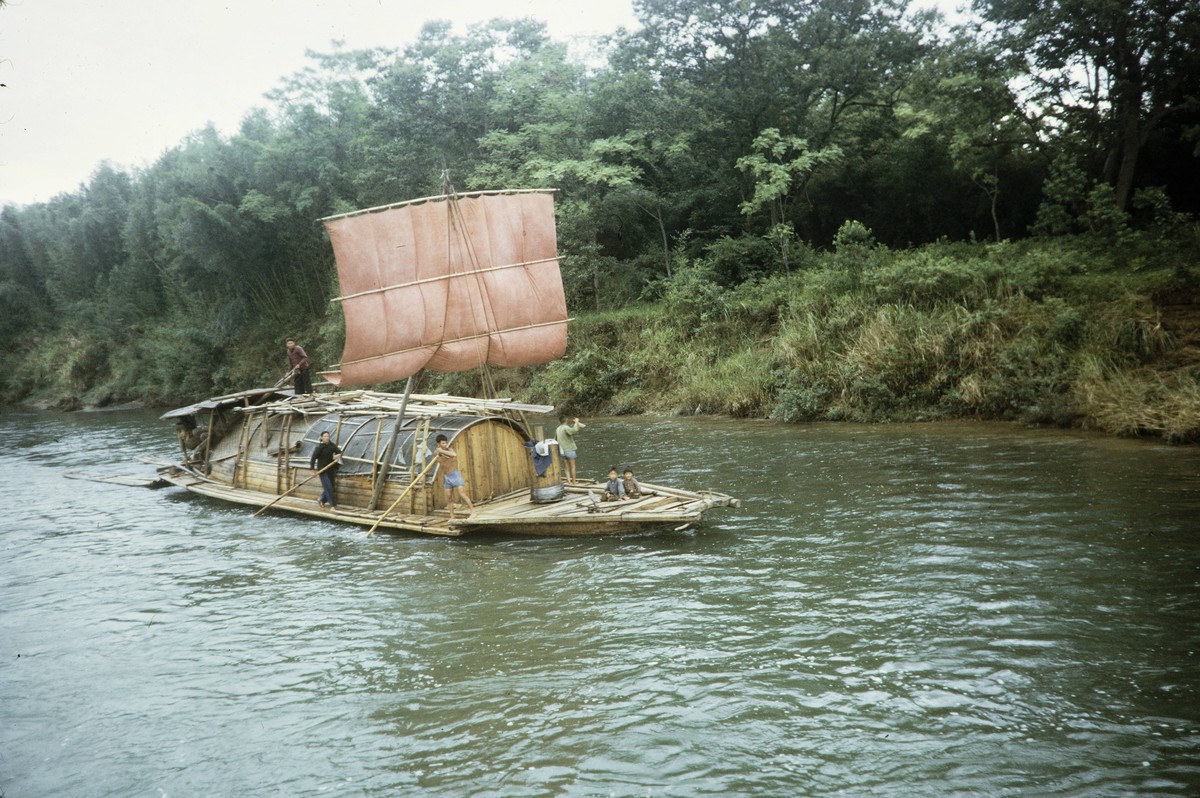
pixel 549 486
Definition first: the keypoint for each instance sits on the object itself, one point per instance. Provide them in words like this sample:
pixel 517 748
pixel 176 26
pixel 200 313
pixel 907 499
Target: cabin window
pixel 363 439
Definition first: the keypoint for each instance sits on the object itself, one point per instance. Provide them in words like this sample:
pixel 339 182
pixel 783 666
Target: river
pixel 925 610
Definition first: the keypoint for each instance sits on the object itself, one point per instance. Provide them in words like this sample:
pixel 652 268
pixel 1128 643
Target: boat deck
pixel 578 513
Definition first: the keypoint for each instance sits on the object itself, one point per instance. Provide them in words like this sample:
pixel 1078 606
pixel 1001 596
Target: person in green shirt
pixel 565 435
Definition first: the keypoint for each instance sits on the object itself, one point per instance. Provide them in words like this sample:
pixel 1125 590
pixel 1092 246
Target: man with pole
pixel 325 455
pixel 298 362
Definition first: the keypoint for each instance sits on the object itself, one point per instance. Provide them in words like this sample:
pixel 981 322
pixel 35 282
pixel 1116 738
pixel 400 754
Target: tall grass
pixel 1139 401
pixel 947 331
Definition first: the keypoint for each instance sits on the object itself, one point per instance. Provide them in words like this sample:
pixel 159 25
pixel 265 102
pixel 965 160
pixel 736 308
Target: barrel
pixel 548 487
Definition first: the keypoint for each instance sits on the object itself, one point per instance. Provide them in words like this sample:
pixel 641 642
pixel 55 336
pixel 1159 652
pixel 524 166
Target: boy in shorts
pixel 452 480
pixel 565 435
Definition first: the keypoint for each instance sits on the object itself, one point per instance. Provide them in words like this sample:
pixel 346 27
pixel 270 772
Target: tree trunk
pixel 1128 93
pixel 995 218
pixel 1131 145
pixel 662 229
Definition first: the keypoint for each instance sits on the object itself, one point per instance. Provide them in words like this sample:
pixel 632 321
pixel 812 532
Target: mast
pixel 381 473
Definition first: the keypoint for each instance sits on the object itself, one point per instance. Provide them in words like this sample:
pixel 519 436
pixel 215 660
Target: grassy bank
pixel 1044 333
pixel 1069 332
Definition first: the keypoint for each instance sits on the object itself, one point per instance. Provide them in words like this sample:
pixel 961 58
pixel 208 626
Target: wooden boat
pixel 445 283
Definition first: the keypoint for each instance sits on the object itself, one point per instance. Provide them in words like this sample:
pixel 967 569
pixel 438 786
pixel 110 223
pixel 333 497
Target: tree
pixel 433 104
pixel 781 166
pixel 23 300
pixel 1114 69
pixel 824 70
pixel 964 98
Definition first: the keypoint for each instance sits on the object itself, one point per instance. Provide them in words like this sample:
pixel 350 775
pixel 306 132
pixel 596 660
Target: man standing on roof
pixel 298 362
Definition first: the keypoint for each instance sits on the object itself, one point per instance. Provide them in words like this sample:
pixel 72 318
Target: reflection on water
pixel 918 610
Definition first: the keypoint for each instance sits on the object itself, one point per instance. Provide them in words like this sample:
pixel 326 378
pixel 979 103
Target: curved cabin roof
pixel 281 401
pixel 363 438
pixel 362 423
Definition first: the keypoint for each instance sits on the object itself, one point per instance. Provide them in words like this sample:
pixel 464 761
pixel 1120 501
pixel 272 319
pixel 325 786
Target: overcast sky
pixel 123 80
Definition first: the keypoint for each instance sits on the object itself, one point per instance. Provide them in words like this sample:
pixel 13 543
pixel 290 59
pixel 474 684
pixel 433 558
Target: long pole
pixel 280 497
pixel 404 493
pixel 284 378
pixel 385 463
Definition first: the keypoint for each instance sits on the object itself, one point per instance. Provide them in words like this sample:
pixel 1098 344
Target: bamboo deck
pixel 579 513
pixel 514 513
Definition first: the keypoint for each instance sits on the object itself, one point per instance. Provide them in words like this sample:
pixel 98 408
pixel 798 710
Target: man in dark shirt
pixel 324 460
pixel 298 362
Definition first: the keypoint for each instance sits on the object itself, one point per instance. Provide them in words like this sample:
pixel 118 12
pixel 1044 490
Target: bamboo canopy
pixel 419 405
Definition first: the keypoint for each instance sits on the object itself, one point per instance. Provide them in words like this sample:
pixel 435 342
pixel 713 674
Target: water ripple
pixel 901 611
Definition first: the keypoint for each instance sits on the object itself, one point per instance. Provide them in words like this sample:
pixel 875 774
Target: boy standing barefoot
pixel 565 435
pixel 452 480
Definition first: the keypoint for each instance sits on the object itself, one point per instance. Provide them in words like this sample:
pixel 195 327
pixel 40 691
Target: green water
pixel 896 611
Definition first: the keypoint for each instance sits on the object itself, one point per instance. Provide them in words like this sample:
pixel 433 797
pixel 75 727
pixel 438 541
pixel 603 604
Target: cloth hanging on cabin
pixel 540 452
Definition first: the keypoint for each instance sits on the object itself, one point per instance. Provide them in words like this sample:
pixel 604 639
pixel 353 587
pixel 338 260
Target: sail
pixel 449 283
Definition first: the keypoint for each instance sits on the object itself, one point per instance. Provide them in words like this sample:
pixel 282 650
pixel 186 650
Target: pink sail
pixel 449 283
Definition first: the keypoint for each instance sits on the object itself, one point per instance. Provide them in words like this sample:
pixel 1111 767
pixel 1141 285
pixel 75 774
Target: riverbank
pixel 1064 332
pixel 1047 333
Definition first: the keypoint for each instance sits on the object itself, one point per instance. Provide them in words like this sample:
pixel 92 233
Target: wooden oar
pixel 404 493
pixel 281 496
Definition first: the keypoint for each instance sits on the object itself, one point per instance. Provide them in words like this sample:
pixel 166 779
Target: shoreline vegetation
pixel 818 211
pixel 1066 332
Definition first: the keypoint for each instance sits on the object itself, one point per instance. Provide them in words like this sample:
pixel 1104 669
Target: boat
pixel 444 283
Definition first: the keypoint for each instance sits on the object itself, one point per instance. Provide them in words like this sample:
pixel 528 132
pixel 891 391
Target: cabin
pixel 492 456
pixel 260 444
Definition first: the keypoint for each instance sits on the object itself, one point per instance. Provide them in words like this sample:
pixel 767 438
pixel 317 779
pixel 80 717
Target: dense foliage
pixel 1056 332
pixel 756 184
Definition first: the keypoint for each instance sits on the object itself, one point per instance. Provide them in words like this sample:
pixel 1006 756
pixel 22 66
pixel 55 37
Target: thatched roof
pixel 419 405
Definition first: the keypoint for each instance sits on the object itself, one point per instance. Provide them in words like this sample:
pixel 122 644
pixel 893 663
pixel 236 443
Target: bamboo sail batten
pixel 461 339
pixel 444 277
pixel 437 198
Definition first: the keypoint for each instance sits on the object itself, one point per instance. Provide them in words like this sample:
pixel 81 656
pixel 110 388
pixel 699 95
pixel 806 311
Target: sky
pixel 125 80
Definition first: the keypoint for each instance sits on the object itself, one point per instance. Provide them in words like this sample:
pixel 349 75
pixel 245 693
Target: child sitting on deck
pixel 614 491
pixel 632 489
